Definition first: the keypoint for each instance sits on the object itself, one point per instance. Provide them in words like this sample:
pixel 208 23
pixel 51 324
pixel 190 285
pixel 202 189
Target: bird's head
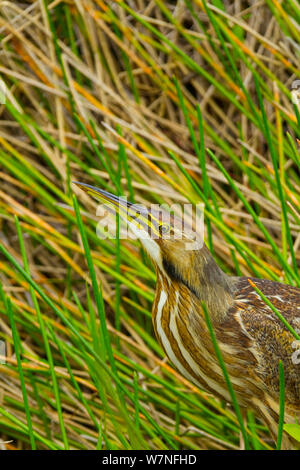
pixel 167 239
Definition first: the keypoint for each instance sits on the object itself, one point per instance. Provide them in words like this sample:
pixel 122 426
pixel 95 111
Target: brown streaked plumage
pixel 250 336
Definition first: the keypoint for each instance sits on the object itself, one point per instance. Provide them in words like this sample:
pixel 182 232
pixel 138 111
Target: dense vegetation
pixel 176 101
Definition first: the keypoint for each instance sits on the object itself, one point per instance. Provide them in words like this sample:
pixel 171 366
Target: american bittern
pixel 251 338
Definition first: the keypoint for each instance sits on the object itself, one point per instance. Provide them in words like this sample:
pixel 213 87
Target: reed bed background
pixel 164 102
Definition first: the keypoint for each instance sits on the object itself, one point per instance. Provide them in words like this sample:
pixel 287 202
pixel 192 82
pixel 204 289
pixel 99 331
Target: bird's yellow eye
pixel 163 229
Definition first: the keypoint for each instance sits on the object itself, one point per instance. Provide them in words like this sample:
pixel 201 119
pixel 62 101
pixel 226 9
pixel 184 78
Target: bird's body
pixel 251 338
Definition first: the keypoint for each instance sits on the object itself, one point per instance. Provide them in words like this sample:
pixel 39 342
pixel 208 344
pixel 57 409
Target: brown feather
pixel 251 338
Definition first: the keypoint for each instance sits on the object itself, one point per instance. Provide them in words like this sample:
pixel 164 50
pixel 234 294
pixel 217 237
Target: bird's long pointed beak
pixel 103 196
pixel 138 217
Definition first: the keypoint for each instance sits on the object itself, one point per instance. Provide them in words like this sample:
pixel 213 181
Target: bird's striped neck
pixel 182 332
pixel 204 279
